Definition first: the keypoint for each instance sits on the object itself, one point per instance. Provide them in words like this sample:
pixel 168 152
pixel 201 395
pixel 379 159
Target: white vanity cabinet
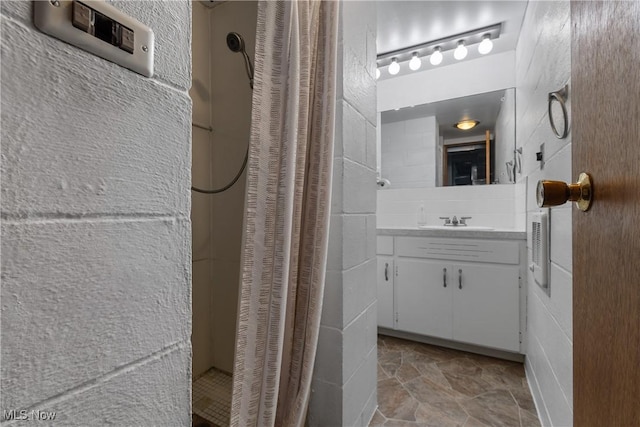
pixel 486 305
pixel 459 289
pixel 423 302
pixel 386 274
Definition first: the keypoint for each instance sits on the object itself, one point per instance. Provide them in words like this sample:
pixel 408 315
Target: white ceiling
pixel 406 23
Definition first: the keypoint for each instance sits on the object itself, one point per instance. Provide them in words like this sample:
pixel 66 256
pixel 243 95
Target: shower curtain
pixel 288 202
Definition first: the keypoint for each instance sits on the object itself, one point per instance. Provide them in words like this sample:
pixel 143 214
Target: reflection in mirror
pixel 431 144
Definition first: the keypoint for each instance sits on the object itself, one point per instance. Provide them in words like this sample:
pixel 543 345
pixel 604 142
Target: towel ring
pixel 560 96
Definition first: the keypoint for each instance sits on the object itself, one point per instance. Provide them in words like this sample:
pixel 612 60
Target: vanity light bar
pixel 446 43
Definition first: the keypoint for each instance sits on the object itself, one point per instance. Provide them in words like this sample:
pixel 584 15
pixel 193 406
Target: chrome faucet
pixel 455 222
pixel 463 220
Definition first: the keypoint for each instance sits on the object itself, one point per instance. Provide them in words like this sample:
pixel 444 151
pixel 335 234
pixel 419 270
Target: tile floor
pixel 212 399
pixel 424 385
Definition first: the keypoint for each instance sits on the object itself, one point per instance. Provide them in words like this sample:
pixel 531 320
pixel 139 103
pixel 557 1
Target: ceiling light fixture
pixel 394 68
pixel 486 45
pixel 466 124
pixel 436 57
pixel 377 73
pixel 436 48
pixel 461 51
pixel 415 62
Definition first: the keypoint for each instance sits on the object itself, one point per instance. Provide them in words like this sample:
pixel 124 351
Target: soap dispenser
pixel 422 216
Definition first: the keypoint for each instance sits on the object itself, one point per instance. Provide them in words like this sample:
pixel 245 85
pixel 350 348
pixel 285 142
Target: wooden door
pixel 605 94
pixel 423 297
pixel 486 305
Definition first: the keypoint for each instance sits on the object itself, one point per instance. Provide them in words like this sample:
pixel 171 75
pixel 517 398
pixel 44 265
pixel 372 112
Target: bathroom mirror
pixel 421 146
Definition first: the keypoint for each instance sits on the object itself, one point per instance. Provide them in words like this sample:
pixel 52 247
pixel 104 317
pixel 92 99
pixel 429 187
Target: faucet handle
pixel 463 219
pixel 447 220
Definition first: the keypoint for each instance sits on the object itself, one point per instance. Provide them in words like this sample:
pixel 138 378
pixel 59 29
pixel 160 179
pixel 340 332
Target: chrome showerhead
pixel 235 42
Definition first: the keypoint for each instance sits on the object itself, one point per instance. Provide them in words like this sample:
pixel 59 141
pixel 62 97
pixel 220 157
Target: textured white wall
pixel 96 280
pixel 543 64
pixel 409 152
pixel 344 383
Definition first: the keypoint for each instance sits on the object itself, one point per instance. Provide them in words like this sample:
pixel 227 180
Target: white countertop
pixel 502 234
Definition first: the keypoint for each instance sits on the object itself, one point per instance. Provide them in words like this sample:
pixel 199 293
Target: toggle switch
pixel 102 27
pixel 82 17
pixel 98 27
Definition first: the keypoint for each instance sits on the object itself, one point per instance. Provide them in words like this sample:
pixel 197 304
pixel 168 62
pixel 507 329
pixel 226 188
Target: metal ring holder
pixel 560 96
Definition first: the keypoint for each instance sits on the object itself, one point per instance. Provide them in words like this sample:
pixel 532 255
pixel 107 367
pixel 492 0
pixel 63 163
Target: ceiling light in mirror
pixel 466 124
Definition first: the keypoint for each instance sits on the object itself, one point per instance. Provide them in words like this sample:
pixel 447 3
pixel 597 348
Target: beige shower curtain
pixel 287 212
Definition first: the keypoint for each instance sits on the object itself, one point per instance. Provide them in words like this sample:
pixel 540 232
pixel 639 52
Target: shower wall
pixel 221 99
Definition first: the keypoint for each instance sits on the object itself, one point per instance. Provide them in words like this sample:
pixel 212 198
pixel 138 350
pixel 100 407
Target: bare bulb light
pixel 486 45
pixel 415 62
pixel 377 73
pixel 436 57
pixel 460 52
pixel 394 68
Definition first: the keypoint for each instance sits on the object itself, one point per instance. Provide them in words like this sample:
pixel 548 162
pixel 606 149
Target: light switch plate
pixel 55 18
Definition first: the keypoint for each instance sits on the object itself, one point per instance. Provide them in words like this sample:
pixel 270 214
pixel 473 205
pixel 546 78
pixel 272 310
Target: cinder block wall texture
pixel 96 236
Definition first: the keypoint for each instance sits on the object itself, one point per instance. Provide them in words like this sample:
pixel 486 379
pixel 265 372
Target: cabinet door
pixel 385 291
pixel 423 297
pixel 486 305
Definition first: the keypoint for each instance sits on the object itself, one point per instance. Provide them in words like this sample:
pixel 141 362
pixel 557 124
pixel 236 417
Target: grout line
pixel 56 218
pixel 88 385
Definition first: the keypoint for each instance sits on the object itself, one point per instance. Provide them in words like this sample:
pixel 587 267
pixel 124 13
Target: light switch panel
pixel 99 28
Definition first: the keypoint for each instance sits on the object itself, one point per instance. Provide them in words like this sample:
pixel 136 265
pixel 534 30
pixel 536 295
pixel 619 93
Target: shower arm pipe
pixel 207 128
pixel 248 67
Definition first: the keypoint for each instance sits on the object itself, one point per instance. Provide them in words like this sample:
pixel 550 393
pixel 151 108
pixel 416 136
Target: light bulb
pixel 436 57
pixel 394 68
pixel 377 73
pixel 466 124
pixel 460 52
pixel 415 62
pixel 485 45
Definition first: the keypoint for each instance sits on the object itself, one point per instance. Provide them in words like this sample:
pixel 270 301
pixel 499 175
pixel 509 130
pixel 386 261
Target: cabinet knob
pixel 555 193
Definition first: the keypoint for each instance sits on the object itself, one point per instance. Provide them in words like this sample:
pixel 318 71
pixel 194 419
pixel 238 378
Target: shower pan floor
pixel 212 398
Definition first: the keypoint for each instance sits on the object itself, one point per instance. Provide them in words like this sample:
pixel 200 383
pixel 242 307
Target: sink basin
pixel 453 227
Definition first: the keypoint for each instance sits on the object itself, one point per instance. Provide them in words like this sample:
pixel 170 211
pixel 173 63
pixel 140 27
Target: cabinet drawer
pixel 495 251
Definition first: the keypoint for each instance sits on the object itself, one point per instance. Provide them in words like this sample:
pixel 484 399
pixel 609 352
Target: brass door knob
pixel 555 193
